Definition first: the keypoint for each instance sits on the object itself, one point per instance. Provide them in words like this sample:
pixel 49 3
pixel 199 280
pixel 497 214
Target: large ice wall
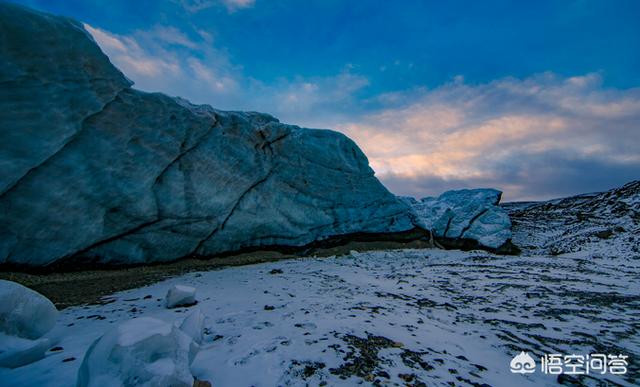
pixel 93 170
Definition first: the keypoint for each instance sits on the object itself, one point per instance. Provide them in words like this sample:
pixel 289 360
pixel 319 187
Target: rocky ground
pixel 88 286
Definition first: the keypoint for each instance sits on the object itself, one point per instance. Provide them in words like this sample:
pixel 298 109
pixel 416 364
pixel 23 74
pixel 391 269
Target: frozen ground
pixel 396 317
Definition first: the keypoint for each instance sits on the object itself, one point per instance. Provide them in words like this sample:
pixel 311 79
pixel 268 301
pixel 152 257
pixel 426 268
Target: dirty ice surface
pixel 402 317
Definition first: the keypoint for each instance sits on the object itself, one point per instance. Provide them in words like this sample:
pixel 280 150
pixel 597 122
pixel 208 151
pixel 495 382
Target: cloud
pixel 168 60
pixel 173 36
pixel 313 101
pixel 195 6
pixel 238 4
pixel 538 137
pixel 132 58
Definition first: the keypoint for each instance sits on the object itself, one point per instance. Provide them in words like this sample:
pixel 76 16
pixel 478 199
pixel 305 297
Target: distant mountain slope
pixel 606 223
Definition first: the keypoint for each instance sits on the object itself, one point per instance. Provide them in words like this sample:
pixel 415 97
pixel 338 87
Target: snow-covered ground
pixel 607 224
pixel 391 317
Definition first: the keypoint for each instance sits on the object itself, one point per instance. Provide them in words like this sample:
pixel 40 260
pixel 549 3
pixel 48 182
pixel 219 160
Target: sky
pixel 538 99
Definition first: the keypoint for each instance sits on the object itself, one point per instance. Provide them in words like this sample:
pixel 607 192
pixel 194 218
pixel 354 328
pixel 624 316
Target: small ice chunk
pixel 25 316
pixel 464 214
pixel 180 295
pixel 193 325
pixel 17 351
pixel 142 351
pixel 25 313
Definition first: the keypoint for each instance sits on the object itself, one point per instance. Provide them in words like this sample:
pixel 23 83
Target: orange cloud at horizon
pixel 461 132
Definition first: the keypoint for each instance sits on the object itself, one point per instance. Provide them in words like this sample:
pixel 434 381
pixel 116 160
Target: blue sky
pixel 539 99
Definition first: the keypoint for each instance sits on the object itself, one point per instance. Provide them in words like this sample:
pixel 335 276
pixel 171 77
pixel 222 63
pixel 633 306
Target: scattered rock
pixel 605 234
pixel 309 368
pixel 480 367
pixel 363 359
pixel 407 377
pixel 413 359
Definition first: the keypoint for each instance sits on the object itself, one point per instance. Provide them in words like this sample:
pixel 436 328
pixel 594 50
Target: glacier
pixel 107 174
pixel 467 218
pixel 104 173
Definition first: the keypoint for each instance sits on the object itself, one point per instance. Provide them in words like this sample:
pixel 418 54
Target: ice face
pixel 144 352
pixel 24 312
pixel 468 213
pixel 115 175
pixel 193 326
pixel 25 316
pixel 180 295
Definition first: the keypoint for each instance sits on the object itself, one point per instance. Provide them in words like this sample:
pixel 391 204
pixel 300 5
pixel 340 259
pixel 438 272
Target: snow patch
pixel 415 313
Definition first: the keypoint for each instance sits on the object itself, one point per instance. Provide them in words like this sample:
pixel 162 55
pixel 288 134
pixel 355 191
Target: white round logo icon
pixel 523 363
